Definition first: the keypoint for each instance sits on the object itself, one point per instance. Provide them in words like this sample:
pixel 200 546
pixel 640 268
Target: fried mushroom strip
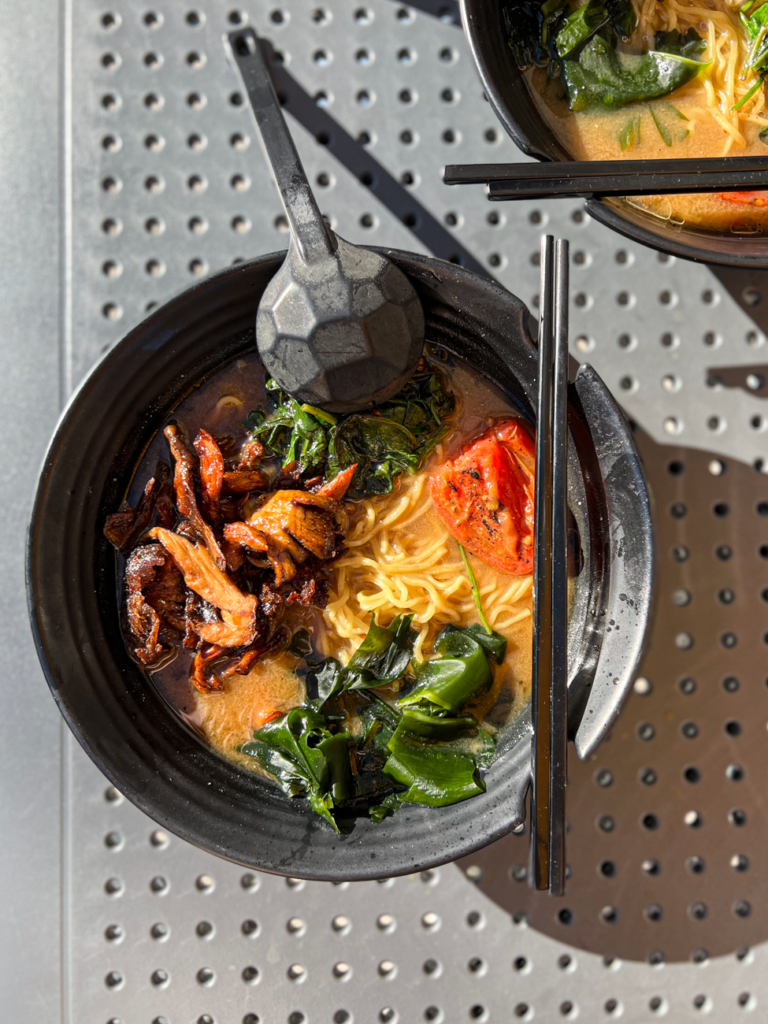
pixel 166 594
pixel 292 524
pixel 143 620
pixel 242 481
pixel 184 486
pixel 206 682
pixel 124 528
pixel 251 455
pixel 273 642
pixel 211 474
pixel 237 627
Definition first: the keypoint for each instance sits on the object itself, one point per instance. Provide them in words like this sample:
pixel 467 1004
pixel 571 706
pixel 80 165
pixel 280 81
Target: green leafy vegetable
pixel 383 656
pixel 290 432
pixel 475 589
pixel 603 76
pixel 543 32
pixel 381 659
pixel 622 16
pixel 579 26
pixel 460 672
pixel 397 436
pixel 748 95
pixel 437 758
pixel 756 27
pixel 673 110
pixel 666 119
pixel 428 754
pixel 320 414
pixel 379 722
pixel 301 643
pixel 494 643
pixel 306 758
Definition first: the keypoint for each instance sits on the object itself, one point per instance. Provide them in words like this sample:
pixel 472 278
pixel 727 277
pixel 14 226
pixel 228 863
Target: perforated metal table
pixel 130 169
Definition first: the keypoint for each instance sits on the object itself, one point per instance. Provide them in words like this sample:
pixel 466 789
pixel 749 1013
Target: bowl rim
pixel 493 814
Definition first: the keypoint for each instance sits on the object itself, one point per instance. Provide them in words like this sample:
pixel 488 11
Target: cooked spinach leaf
pixel 532 28
pixel 756 26
pixel 395 437
pixel 398 435
pixel 579 26
pixel 290 432
pixel 543 32
pixel 602 76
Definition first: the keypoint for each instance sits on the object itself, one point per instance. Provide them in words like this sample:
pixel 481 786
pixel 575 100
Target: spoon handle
pixel 312 238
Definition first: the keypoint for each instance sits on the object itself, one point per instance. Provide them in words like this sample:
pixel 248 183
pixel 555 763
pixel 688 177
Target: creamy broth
pixel 699 119
pixel 227 720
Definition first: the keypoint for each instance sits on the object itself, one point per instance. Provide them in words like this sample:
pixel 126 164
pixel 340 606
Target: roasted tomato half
pixel 484 495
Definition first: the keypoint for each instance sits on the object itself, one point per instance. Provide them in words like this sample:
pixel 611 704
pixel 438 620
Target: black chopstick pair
pixel 550 587
pixel 600 178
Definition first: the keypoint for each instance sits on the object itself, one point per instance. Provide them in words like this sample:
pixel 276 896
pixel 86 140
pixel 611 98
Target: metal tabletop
pixel 130 169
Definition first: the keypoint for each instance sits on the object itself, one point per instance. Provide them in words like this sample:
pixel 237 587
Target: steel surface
pixel 665 909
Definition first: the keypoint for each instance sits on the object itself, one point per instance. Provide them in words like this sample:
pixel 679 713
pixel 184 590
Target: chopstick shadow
pixel 751 379
pixel 661 865
pixel 351 153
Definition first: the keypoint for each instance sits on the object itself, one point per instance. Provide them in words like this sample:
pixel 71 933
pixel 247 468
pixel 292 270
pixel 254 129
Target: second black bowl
pixel 509 95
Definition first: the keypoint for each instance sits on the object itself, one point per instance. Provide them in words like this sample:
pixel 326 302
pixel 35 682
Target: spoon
pixel 338 326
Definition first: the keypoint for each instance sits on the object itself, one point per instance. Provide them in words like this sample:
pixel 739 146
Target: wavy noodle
pixel 400 557
pixel 725 82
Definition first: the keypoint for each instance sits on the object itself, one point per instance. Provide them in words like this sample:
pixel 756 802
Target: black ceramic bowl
pixel 120 718
pixel 510 97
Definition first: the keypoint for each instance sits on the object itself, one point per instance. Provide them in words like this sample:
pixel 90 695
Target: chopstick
pixel 599 178
pixel 550 600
